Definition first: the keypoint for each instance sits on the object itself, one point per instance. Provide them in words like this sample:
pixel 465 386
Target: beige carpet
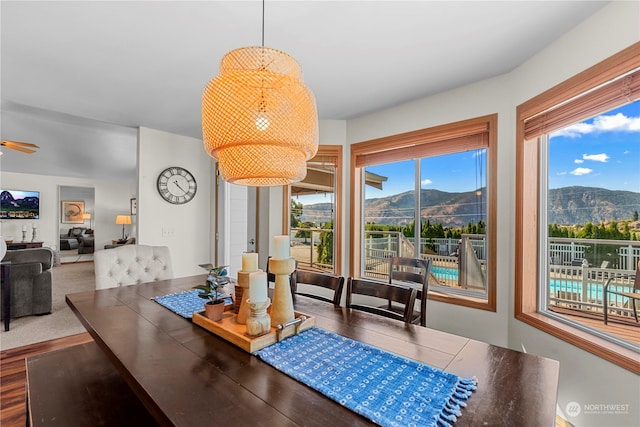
pixel 67 279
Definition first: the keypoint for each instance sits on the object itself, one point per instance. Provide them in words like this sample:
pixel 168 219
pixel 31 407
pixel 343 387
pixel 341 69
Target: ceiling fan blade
pixel 18 148
pixel 8 143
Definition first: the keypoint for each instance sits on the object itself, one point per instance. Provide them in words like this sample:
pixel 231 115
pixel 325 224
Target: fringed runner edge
pixel 294 356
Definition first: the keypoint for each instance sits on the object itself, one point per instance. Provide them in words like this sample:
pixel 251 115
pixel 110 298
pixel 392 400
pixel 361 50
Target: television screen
pixel 16 204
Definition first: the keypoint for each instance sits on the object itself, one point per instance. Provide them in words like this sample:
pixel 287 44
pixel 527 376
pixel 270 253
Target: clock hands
pixel 175 181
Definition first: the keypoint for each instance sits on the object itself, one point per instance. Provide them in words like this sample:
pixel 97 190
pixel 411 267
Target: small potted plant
pixel 210 290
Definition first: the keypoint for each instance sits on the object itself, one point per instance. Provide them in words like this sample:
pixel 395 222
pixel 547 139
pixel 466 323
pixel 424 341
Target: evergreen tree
pixel 325 245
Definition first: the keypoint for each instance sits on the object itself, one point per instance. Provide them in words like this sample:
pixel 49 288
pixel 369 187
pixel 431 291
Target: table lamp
pixel 87 216
pixel 123 219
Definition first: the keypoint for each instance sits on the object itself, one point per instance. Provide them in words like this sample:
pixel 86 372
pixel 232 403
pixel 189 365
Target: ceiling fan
pixel 24 147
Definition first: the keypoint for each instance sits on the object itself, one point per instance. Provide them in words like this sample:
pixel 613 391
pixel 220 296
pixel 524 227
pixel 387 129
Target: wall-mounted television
pixel 18 204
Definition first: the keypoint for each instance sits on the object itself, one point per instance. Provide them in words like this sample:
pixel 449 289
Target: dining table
pixel 185 375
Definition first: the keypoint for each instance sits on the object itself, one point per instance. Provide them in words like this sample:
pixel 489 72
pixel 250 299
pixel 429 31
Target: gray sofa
pixel 80 238
pixel 30 281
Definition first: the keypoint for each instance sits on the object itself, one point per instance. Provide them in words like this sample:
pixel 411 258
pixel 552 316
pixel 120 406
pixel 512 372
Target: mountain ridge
pixel 567 206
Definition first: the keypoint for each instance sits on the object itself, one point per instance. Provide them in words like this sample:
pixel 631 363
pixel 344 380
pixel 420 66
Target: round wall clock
pixel 176 185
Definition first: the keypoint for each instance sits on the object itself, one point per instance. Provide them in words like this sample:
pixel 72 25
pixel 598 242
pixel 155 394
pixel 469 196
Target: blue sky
pixel 600 152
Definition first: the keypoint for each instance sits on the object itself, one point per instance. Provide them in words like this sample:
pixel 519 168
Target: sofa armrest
pixel 43 256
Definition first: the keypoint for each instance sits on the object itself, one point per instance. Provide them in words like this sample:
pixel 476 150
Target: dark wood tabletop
pixel 185 375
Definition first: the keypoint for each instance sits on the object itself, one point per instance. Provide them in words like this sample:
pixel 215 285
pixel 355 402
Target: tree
pixel 635 215
pixel 296 213
pixel 305 233
pixel 325 245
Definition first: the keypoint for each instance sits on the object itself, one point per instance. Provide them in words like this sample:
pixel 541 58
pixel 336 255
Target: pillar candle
pixel 249 262
pixel 281 247
pixel 258 287
pixel 34 226
pixel 24 228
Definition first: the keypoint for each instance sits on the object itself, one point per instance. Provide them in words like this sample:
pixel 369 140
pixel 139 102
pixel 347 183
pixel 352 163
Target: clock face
pixel 176 185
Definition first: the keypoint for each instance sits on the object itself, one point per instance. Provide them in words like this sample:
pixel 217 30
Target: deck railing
pixel 446 259
pixel 579 268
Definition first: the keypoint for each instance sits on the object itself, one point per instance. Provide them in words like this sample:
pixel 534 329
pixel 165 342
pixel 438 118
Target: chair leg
pixel 635 310
pixel 604 303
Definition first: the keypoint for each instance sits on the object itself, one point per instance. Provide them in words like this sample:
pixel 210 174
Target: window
pixel 427 194
pixel 560 268
pixel 314 214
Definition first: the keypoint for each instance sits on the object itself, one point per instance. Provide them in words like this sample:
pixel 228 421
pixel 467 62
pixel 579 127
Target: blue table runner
pixel 185 303
pixel 388 389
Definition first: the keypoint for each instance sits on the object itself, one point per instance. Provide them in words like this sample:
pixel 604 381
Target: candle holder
pixel 34 236
pixel 242 293
pixel 258 322
pixel 282 307
pixel 24 235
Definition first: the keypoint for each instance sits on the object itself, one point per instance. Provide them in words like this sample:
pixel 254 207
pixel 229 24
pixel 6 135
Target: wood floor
pixel 621 327
pixel 13 376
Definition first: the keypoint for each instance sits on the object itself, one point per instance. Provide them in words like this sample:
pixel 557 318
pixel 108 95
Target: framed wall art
pixel 72 212
pixel 134 206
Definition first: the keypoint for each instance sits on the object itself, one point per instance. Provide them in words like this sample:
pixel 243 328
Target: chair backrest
pixel 636 283
pixel 131 265
pixel 328 281
pixel 391 292
pixel 413 270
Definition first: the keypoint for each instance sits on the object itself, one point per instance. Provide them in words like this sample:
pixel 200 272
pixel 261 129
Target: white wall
pixel 110 198
pixel 185 228
pixel 584 378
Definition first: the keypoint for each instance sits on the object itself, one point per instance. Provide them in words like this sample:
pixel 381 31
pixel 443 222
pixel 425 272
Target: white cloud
pixel 605 123
pixel 426 182
pixel 581 171
pixel 627 152
pixel 561 173
pixel 578 161
pixel 602 157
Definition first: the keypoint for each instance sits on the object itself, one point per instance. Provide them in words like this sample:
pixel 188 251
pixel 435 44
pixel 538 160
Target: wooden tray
pixel 235 333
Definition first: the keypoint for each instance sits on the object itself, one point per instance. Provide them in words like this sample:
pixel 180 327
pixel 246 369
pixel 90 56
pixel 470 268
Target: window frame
pixel 333 152
pixel 528 160
pixel 436 140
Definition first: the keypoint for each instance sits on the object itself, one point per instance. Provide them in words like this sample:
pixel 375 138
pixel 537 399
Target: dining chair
pixel 632 296
pixel 321 280
pixel 131 265
pixel 400 294
pixel 414 271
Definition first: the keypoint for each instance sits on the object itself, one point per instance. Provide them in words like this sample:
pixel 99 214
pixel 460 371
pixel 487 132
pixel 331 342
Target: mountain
pixel 567 206
pixel 7 201
pixel 577 205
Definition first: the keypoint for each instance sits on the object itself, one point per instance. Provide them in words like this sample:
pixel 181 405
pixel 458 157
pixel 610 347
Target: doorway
pixel 76 223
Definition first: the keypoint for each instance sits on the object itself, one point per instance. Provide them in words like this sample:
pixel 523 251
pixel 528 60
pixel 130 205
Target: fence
pixel 447 262
pixel 305 249
pixel 621 254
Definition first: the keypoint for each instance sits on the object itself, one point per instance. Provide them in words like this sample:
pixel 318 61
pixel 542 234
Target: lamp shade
pixel 86 216
pixel 259 119
pixel 123 219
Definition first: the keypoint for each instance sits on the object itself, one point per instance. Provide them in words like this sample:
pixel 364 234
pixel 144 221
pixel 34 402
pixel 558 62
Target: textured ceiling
pixel 79 74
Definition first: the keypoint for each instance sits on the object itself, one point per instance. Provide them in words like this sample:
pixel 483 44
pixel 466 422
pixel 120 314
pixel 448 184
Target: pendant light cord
pixel 262 23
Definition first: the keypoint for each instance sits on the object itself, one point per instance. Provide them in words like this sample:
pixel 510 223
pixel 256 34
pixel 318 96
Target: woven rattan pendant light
pixel 259 119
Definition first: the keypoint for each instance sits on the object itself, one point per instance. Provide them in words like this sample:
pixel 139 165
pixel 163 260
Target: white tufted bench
pixel 131 265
